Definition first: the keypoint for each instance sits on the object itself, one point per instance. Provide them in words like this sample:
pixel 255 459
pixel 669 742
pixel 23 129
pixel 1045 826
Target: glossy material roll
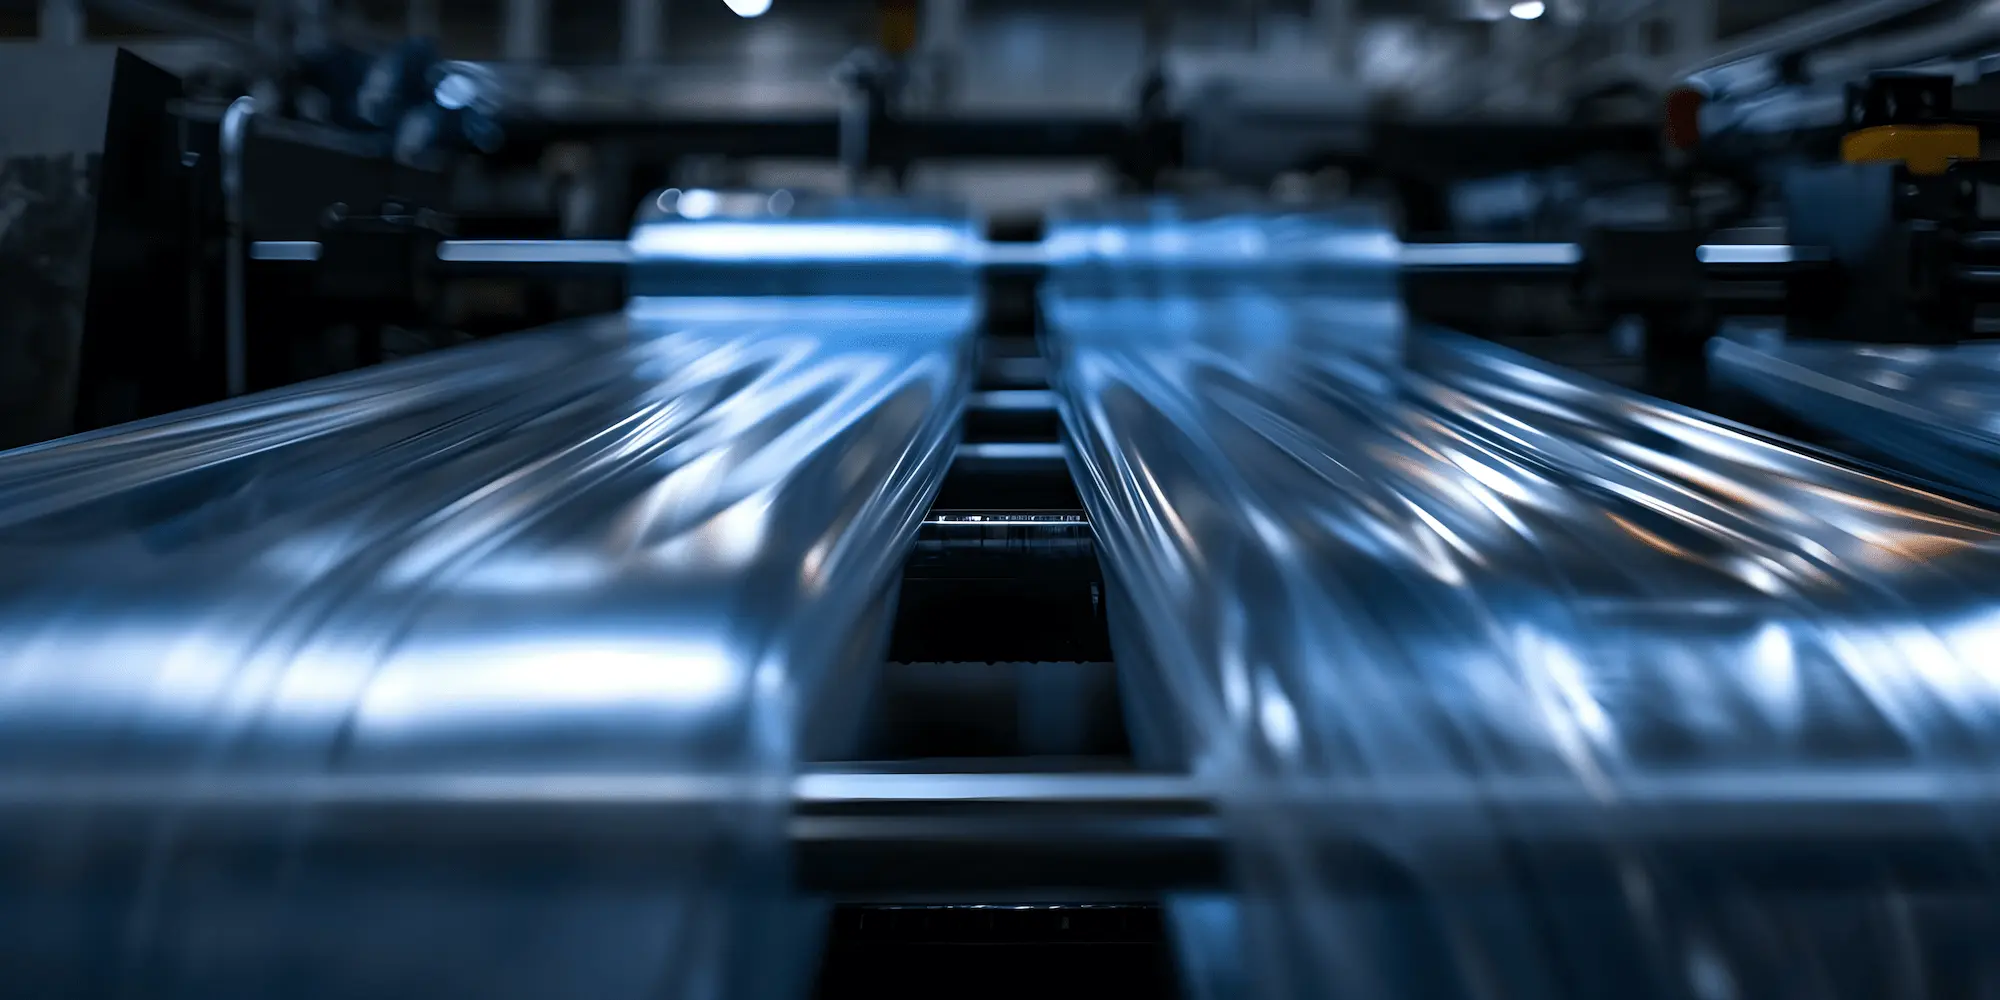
pixel 1326 274
pixel 625 549
pixel 1472 565
pixel 1931 410
pixel 694 247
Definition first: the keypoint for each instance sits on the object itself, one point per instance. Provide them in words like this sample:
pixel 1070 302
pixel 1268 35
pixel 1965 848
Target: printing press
pixel 1361 552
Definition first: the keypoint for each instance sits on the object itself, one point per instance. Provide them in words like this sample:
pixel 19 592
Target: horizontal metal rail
pixel 1503 258
pixel 857 832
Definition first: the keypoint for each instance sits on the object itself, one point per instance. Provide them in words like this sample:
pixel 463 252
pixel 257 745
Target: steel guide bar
pixel 863 831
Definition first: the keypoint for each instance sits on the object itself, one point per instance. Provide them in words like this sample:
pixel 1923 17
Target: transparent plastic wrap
pixel 1510 684
pixel 480 675
pixel 1249 281
pixel 705 253
pixel 1930 410
pixel 1323 273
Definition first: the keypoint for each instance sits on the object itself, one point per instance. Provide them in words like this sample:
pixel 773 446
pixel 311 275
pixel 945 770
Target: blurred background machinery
pixel 1265 498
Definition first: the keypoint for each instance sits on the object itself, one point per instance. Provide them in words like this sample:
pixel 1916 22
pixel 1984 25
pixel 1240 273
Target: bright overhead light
pixel 1526 10
pixel 748 8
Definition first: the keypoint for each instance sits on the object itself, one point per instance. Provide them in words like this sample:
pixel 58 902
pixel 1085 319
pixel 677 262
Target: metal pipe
pixel 1526 259
pixel 943 49
pixel 877 832
pixel 1011 457
pixel 950 832
pixel 1817 27
pixel 61 22
pixel 639 35
pixel 525 31
pixel 1012 401
pixel 295 250
pixel 578 252
pixel 235 130
pixel 1819 803
pixel 1539 257
pixel 1333 21
pixel 1748 254
pixel 856 121
pixel 993 256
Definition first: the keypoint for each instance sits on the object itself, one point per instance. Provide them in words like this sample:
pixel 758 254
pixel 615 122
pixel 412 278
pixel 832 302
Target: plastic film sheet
pixel 1249 280
pixel 1930 410
pixel 476 675
pixel 1513 684
pixel 1173 267
pixel 697 248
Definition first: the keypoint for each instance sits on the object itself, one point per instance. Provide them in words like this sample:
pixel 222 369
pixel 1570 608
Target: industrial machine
pixel 1419 590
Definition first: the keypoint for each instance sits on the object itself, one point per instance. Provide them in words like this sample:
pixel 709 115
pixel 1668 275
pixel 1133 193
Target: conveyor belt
pixel 542 667
pixel 655 545
pixel 1451 562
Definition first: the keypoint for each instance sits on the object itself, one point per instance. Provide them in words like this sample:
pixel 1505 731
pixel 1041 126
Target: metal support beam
pixel 863 832
pixel 1510 62
pixel 943 25
pixel 641 42
pixel 526 37
pixel 62 22
pixel 1694 30
pixel 236 338
pixel 1816 27
pixel 1334 24
pixel 942 43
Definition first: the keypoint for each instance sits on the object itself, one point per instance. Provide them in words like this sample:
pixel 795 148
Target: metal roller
pixel 707 245
pixel 1341 567
pixel 1220 264
pixel 639 547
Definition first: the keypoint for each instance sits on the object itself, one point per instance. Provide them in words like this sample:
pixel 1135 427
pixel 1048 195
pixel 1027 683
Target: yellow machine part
pixel 1927 150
